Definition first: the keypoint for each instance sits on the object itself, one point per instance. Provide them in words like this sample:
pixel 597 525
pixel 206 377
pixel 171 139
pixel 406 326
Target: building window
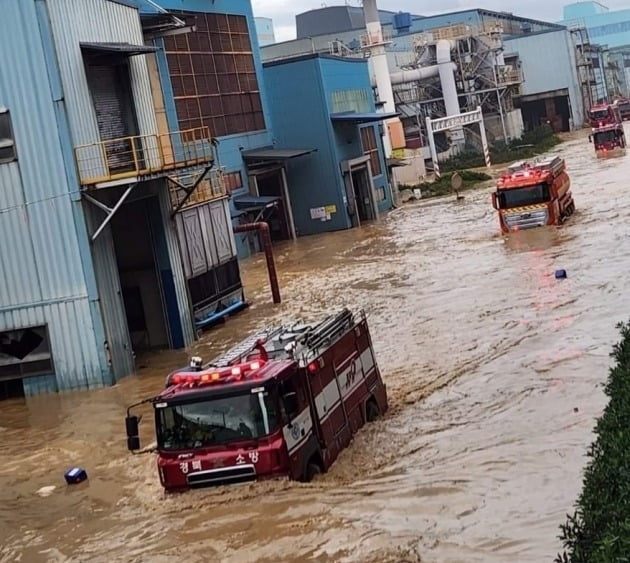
pixel 7 142
pixel 380 194
pixel 370 148
pixel 214 77
pixel 24 353
pixel 232 181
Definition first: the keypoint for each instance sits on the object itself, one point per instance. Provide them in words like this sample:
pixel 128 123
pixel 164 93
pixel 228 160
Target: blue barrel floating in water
pixel 561 274
pixel 75 475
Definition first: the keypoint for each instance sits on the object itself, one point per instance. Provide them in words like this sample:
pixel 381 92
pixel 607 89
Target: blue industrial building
pixel 116 232
pixel 132 138
pixel 605 27
pixel 344 183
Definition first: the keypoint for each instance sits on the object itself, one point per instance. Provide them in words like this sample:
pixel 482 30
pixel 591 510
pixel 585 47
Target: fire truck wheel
pixel 312 471
pixel 371 411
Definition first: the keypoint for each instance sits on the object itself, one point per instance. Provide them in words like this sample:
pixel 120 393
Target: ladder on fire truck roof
pixel 308 340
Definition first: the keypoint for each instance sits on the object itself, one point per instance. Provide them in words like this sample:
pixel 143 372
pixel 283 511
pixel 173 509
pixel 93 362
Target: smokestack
pixel 380 70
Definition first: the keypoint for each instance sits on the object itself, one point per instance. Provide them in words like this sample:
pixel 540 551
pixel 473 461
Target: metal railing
pixel 143 155
pixel 213 186
pixel 507 76
pixel 372 39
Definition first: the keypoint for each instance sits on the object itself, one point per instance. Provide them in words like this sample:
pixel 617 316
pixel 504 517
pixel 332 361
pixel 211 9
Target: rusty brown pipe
pixel 265 237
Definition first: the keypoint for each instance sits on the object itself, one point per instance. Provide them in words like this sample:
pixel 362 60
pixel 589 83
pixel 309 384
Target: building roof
pixel 368 117
pixel 271 154
pixel 307 56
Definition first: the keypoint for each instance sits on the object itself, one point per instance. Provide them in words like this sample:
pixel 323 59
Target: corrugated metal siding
pixel 110 295
pixel 42 279
pixel 97 21
pixel 181 286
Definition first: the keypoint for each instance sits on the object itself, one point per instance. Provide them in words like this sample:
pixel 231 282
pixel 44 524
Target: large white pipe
pixel 447 77
pixel 417 74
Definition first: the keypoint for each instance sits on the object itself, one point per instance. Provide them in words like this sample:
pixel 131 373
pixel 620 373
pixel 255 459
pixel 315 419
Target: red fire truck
pixel 533 194
pixel 604 114
pixel 624 108
pixel 282 403
pixel 608 140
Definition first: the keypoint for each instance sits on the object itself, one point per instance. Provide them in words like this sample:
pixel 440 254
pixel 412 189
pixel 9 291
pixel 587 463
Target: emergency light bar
pixel 215 375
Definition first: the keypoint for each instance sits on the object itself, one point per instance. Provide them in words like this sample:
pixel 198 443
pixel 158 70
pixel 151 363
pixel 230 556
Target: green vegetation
pixel 443 185
pixel 533 142
pixel 599 529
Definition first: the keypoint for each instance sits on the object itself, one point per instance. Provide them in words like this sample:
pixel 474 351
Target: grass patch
pixel 599 529
pixel 443 185
pixel 532 143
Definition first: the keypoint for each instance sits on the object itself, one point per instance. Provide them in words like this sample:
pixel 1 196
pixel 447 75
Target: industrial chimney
pixel 393 137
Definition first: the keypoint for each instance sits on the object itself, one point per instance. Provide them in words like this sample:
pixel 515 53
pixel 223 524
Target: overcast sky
pixel 283 11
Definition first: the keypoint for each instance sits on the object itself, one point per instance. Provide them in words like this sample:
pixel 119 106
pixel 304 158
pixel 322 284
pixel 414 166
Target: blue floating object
pixel 75 475
pixel 561 274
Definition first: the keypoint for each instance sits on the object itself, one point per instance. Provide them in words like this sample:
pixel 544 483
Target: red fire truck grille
pixel 222 476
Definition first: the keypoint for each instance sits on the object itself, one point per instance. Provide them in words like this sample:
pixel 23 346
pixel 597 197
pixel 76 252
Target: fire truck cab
pixel 283 403
pixel 604 114
pixel 608 140
pixel 533 194
pixel 624 108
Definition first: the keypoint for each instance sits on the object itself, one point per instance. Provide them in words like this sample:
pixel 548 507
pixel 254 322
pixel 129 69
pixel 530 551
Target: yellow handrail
pixel 142 155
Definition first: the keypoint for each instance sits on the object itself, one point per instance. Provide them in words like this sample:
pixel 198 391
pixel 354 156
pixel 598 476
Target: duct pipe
pixel 449 88
pixel 417 74
pixel 265 238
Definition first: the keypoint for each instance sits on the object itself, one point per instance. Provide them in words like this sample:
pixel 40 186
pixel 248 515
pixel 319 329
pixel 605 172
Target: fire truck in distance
pixel 624 108
pixel 609 140
pixel 533 194
pixel 604 114
pixel 282 403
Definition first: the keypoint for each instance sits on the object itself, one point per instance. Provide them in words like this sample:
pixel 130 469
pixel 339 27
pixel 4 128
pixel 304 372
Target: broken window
pixel 24 353
pixel 7 142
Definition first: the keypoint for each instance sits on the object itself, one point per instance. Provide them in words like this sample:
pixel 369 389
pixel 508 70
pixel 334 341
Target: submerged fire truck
pixel 608 140
pixel 604 114
pixel 282 403
pixel 533 194
pixel 624 108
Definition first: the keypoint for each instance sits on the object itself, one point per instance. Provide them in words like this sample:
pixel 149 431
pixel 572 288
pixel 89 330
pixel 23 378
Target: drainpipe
pixel 265 237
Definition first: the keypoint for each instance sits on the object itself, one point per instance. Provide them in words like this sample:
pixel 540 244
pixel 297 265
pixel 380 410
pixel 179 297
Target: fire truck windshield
pixel 599 114
pixel 215 421
pixel 604 137
pixel 529 195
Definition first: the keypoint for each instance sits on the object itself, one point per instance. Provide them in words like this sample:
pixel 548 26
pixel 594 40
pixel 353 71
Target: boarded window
pixel 213 75
pixel 370 148
pixel 25 352
pixel 7 142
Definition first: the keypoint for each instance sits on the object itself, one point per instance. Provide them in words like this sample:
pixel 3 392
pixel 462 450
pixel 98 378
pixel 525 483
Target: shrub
pixel 443 185
pixel 533 142
pixel 599 529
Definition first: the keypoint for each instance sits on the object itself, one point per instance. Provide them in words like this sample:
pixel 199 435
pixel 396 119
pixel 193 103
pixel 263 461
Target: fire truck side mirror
pixel 290 401
pixel 494 200
pixel 133 439
pixel 590 138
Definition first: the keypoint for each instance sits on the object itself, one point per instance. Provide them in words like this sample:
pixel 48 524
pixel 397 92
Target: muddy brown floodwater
pixel 494 372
